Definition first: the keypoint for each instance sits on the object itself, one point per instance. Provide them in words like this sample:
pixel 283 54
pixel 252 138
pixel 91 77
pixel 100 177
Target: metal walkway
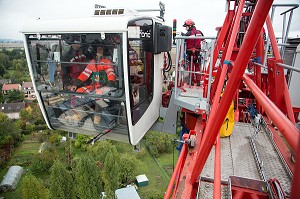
pixel 237 159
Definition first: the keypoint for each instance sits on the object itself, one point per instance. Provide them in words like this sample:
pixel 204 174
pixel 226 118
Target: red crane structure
pixel 240 44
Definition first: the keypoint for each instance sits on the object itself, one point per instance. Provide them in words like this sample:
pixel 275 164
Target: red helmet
pixel 188 22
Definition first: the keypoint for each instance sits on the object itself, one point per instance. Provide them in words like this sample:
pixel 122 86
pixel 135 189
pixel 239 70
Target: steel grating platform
pixel 237 159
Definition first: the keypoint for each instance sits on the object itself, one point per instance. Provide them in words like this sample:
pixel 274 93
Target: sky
pixel 207 14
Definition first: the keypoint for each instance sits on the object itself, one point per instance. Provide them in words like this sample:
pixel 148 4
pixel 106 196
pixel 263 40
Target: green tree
pixel 19 76
pixel 42 162
pixel 1 96
pixel 127 167
pixel 33 188
pixel 81 140
pixel 4 60
pixel 2 70
pixel 19 64
pixel 88 179
pixel 100 150
pixel 111 172
pixel 36 114
pixel 14 96
pixel 158 143
pixel 55 138
pixel 61 182
pixel 9 131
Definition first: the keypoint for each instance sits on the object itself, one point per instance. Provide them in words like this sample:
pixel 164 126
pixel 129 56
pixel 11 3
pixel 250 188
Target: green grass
pixel 28 148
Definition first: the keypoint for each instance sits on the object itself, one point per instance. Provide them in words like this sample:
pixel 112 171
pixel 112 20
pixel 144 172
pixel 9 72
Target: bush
pixel 127 168
pixel 141 153
pixel 33 188
pixel 55 139
pixel 40 127
pixel 42 162
pixel 81 141
pixel 158 143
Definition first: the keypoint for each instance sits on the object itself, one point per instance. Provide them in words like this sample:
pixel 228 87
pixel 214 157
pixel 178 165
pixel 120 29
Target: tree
pixel 127 167
pixel 81 140
pixel 100 150
pixel 14 96
pixel 1 95
pixel 158 143
pixel 55 138
pixel 18 64
pixel 18 76
pixel 42 162
pixel 4 60
pixel 2 70
pixel 9 131
pixel 36 114
pixel 33 188
pixel 61 182
pixel 111 172
pixel 88 179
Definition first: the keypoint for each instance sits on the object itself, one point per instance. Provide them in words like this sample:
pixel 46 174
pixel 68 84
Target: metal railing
pixel 206 64
pixel 285 28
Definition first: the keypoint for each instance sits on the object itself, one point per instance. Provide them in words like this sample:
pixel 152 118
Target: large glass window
pixel 80 80
pixel 140 63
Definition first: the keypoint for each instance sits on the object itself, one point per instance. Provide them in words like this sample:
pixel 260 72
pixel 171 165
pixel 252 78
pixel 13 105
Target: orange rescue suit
pixel 102 74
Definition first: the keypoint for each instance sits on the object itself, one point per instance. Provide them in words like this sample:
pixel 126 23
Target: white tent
pixel 12 178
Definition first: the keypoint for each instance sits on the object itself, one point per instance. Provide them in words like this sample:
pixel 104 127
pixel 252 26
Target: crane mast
pixel 240 42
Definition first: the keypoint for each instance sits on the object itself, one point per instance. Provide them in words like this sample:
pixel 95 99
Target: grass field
pixel 158 171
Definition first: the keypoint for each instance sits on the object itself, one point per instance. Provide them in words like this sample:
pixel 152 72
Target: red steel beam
pixel 234 32
pixel 288 103
pixel 277 56
pixel 295 191
pixel 217 171
pixel 285 126
pixel 257 69
pixel 272 38
pixel 214 124
pixel 219 45
pixel 175 175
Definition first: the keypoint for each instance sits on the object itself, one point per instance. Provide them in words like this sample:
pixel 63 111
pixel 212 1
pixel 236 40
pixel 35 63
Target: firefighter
pixel 193 48
pixel 101 71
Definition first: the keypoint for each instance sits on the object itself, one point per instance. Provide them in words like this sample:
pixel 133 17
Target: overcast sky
pixel 207 14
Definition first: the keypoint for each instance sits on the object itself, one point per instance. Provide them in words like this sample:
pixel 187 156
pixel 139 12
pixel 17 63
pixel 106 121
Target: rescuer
pixel 193 48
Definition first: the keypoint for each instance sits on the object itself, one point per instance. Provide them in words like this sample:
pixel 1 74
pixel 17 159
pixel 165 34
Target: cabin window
pixel 140 66
pixel 79 78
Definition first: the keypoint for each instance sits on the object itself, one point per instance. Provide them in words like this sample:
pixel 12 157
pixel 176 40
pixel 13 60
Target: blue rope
pixel 227 63
pixel 257 60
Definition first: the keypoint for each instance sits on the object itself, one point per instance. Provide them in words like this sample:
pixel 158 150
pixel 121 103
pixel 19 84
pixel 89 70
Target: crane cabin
pixel 101 75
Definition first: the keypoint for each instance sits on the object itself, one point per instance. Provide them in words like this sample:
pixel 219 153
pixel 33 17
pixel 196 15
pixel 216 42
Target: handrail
pixel 285 29
pixel 194 37
pixel 282 65
pixel 289 67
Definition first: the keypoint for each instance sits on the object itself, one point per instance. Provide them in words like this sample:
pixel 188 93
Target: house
pixel 12 110
pixel 5 81
pixel 28 90
pixel 10 87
